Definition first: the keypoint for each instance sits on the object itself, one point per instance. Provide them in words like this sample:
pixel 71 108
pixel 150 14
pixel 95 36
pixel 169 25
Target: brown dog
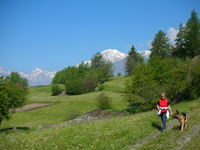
pixel 181 118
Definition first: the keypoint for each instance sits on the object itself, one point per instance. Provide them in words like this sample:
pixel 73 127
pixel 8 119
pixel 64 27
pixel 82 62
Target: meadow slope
pixel 115 133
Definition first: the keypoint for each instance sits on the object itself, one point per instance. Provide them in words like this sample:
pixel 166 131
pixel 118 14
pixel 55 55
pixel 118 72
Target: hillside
pixel 24 130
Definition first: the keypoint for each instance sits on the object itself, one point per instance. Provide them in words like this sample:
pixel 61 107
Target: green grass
pixel 168 139
pixel 107 134
pixel 63 105
pixel 115 133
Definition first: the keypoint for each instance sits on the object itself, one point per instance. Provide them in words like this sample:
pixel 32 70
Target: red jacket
pixel 163 103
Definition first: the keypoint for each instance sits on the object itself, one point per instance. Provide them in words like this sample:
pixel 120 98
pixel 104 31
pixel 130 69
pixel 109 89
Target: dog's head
pixel 176 115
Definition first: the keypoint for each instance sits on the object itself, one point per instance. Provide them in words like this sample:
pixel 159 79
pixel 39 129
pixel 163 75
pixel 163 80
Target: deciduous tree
pixel 11 96
pixel 103 67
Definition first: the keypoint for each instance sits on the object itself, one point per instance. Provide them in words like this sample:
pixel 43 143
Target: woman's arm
pixel 158 107
pixel 170 109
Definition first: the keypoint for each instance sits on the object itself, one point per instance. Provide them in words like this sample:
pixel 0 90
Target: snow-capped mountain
pixel 39 77
pixel 119 59
pixel 113 55
pixel 36 77
pixel 3 73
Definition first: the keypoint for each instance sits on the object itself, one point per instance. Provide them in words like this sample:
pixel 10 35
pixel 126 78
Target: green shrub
pixel 89 85
pixel 55 89
pixel 101 87
pixel 119 74
pixel 74 86
pixel 103 101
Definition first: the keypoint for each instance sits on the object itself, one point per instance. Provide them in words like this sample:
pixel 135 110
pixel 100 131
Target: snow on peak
pixel 37 70
pixel 113 55
pixel 39 77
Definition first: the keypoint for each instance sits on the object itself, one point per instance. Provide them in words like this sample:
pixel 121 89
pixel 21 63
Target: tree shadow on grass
pixel 14 129
pixel 156 126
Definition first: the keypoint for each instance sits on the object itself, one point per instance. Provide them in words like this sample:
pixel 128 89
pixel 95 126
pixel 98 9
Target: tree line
pixel 173 69
pixel 83 78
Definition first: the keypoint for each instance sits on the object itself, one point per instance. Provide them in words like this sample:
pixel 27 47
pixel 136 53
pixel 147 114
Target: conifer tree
pixel 192 35
pixel 160 45
pixel 133 60
pixel 179 50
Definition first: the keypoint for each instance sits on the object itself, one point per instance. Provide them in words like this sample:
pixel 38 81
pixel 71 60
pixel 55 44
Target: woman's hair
pixel 162 94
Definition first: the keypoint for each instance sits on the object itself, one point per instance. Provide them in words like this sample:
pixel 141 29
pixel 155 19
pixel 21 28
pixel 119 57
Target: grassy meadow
pixel 115 133
pixel 63 105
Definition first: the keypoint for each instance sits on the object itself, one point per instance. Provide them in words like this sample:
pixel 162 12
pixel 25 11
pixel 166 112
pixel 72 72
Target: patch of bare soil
pixel 32 106
pixel 97 114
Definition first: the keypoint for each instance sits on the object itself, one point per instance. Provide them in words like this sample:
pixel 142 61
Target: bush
pixel 55 89
pixel 119 74
pixel 74 86
pixel 88 85
pixel 103 101
pixel 101 87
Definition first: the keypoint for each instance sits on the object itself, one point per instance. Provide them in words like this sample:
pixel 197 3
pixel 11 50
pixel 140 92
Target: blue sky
pixel 54 34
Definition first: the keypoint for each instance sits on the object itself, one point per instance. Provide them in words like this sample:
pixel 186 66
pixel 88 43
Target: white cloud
pixel 149 44
pixel 172 32
pixel 1 68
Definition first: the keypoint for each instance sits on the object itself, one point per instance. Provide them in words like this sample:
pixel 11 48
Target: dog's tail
pixel 185 116
pixel 185 124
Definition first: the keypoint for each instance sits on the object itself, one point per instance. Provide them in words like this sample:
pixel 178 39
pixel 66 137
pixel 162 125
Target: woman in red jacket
pixel 163 106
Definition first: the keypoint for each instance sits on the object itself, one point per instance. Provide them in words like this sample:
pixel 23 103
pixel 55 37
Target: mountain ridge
pixel 36 77
pixel 42 77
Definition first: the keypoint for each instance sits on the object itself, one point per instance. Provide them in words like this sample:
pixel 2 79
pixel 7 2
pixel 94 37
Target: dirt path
pixel 33 106
pixel 152 136
pixel 188 135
